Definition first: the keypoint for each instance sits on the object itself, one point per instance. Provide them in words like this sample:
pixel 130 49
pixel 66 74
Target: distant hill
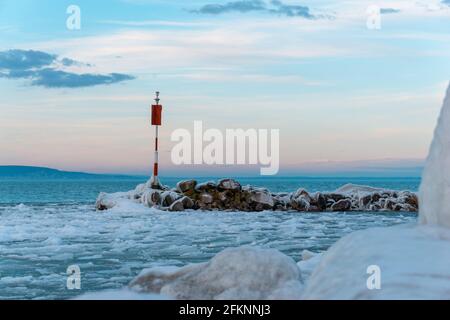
pixel 25 172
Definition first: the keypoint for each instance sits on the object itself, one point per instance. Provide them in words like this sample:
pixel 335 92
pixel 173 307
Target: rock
pixel 105 202
pixel 187 186
pixel 334 196
pixel 151 197
pixel 300 200
pixel 320 201
pixel 262 199
pixel 169 197
pixel 365 200
pixel 301 193
pixel 341 205
pixel 376 197
pixel 187 202
pixel 313 209
pixel 239 274
pixel 300 204
pixel 228 194
pixel 411 199
pixel 206 198
pixel 177 206
pixel 229 184
pixel 390 205
pixel 206 187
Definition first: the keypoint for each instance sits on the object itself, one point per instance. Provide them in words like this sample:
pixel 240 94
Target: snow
pixel 242 273
pixel 414 264
pixel 435 188
pixel 351 189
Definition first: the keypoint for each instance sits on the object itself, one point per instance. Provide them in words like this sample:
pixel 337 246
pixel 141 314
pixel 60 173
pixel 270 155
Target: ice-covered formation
pixel 242 273
pixel 435 187
pixel 412 262
pixel 228 194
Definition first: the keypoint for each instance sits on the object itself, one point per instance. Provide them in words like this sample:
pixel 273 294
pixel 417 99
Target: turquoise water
pixel 47 226
pixel 79 191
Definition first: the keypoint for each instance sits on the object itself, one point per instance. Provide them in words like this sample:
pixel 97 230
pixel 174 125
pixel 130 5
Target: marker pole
pixel 156 121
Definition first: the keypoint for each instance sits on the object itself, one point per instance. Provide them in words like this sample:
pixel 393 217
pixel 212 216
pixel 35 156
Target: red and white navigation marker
pixel 156 121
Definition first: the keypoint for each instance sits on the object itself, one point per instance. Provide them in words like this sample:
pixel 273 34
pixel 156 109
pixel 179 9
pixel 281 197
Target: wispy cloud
pixel 273 7
pixel 45 69
pixel 236 6
pixel 291 10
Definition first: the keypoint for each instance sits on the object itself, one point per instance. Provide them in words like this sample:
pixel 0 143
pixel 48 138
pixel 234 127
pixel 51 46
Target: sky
pixel 344 96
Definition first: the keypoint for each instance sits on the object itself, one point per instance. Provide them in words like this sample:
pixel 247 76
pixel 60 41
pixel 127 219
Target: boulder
pixel 206 187
pixel 229 184
pixel 187 202
pixel 177 206
pixel 341 205
pixel 187 186
pixel 206 198
pixel 365 200
pixel 169 197
pixel 319 200
pixel 301 203
pixel 262 200
pixel 151 197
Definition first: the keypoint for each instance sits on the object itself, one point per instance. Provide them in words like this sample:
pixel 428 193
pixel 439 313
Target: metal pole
pixel 154 182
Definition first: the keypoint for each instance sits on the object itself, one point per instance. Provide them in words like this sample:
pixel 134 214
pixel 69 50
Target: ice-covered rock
pixel 261 199
pixel 187 186
pixel 228 194
pixel 107 201
pixel 151 197
pixel 435 187
pixel 241 273
pixel 413 263
pixel 177 206
pixel 229 184
pixel 341 205
pixel 356 189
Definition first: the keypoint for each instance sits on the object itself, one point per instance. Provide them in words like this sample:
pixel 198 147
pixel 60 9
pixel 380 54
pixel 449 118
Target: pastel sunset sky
pixel 342 95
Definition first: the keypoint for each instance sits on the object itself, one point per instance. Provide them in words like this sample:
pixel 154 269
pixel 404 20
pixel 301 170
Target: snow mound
pixel 435 188
pixel 242 273
pixel 414 264
pixel 357 189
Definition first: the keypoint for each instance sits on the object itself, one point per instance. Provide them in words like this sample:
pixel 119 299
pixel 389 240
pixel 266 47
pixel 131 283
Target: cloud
pixel 24 60
pixel 390 10
pixel 45 69
pixel 447 2
pixel 291 10
pixel 236 6
pixel 244 6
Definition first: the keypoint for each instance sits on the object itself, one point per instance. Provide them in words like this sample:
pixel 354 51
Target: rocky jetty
pixel 230 195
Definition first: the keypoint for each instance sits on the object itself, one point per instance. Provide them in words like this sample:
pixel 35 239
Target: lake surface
pixel 46 226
